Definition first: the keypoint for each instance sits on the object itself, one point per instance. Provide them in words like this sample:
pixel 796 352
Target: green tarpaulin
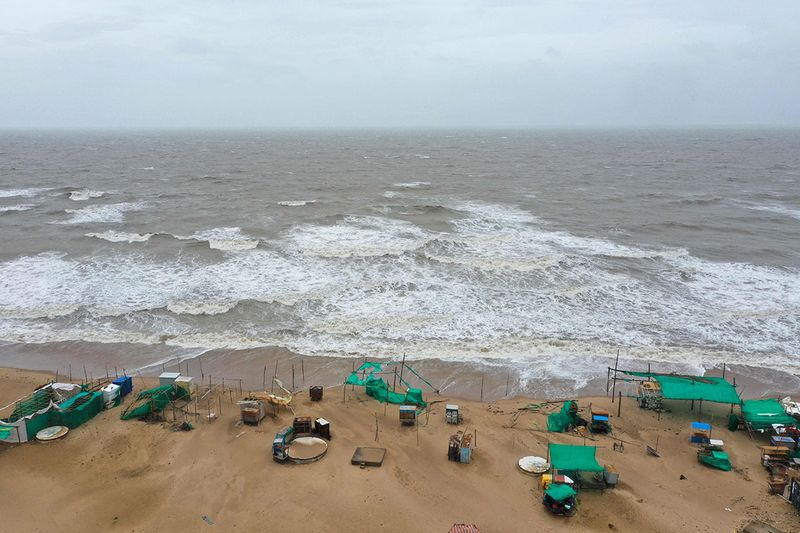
pixel 761 414
pixel 377 388
pixel 153 400
pixel 560 492
pixel 558 422
pixel 716 459
pixel 677 387
pixel 567 457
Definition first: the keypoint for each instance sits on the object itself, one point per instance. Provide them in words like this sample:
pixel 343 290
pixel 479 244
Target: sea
pixel 547 250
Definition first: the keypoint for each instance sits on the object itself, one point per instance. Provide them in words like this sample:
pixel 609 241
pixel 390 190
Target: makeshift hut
pixel 55 404
pixel 760 415
pixel 574 461
pixel 685 387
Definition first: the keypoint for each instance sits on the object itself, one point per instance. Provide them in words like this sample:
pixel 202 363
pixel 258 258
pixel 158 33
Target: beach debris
pixel 207 520
pixel 183 426
pixel 273 399
pixel 682 477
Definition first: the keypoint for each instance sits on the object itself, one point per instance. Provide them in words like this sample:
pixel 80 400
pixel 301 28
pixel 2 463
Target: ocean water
pixel 543 249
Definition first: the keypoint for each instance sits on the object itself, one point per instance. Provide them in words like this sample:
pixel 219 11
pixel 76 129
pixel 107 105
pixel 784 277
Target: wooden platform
pixel 365 456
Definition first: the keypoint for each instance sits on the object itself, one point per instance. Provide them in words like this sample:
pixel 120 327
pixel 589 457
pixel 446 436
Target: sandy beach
pixel 115 475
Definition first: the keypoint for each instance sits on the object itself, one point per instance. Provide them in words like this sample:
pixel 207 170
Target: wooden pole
pixel 614 387
pixel 275 375
pixel 608 380
pixel 700 410
pixel 70 372
pixel 723 370
pixel 303 371
pixel 619 405
pixel 507 378
pixel 402 367
pixel 264 379
pixel 85 375
pixel 200 362
pixel 292 377
pixel 386 403
pixel 481 388
pixel 394 381
pixel 106 371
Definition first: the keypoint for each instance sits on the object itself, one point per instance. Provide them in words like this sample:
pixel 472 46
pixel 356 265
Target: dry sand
pixel 113 475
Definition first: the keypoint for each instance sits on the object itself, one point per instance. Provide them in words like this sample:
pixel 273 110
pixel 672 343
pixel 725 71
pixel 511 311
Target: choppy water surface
pixel 538 247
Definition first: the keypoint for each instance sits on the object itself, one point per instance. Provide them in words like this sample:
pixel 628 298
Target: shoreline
pixel 491 379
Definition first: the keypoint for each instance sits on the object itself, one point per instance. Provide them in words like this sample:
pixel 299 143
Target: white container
pixel 168 378
pixel 185 383
pixel 110 392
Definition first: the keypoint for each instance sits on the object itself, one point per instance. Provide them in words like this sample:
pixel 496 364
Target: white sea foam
pixel 200 307
pixel 357 236
pixel 18 207
pixel 413 185
pixel 24 193
pixel 296 203
pixel 792 212
pixel 121 236
pixel 500 284
pixel 228 239
pixel 108 213
pixel 391 194
pixel 82 195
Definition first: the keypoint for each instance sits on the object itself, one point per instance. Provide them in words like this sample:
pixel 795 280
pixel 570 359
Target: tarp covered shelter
pixel 55 404
pixel 680 387
pixel 560 492
pixel 762 414
pixel 559 421
pixel 568 457
pixel 379 389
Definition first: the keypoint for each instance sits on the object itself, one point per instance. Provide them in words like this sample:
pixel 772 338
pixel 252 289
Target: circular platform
pixel 52 433
pixel 532 464
pixel 307 449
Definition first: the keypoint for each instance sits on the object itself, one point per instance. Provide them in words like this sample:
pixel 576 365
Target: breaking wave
pixel 80 196
pixel 109 213
pixel 296 203
pixel 18 207
pixel 412 185
pixel 121 236
pixel 226 239
pixel 24 193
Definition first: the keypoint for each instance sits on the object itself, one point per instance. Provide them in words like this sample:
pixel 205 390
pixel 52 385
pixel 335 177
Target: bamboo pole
pixel 481 388
pixel 619 405
pixel 614 387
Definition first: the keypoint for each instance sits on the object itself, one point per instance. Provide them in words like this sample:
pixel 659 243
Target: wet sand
pixel 113 475
pixel 252 369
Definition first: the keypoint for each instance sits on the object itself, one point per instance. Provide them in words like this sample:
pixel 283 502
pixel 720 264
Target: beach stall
pixel 55 404
pixel 599 422
pixel 152 401
pixel 579 463
pixel 559 499
pixel 125 384
pixel 763 415
pixel 680 387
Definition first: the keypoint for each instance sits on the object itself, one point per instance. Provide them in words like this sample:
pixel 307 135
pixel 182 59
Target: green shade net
pixel 717 460
pixel 567 457
pixel 675 387
pixel 377 388
pixel 560 492
pixel 559 422
pixel 761 414
pixel 153 401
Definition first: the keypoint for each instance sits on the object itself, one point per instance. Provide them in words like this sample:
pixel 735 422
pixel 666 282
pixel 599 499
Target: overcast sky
pixel 290 63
